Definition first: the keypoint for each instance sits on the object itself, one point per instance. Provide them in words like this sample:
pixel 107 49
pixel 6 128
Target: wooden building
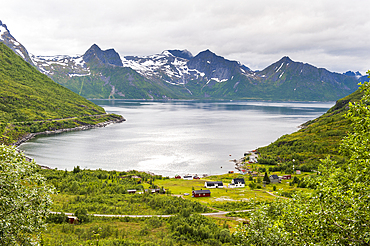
pixel 201 193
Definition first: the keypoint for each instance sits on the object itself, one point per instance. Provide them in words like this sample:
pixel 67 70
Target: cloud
pixel 325 33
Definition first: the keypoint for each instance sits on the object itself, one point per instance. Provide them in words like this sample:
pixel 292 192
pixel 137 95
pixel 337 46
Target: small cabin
pixel 298 171
pixel 188 177
pixel 72 219
pixel 236 183
pixel 201 193
pixel 177 177
pixel 213 184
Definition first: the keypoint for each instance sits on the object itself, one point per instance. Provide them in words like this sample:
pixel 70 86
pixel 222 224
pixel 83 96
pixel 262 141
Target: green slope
pixel 28 98
pixel 316 140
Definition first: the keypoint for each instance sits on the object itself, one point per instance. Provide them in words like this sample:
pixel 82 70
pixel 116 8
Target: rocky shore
pixel 79 128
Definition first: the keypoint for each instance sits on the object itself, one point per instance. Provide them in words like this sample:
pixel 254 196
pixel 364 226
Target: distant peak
pixel 109 56
pixel 94 47
pixel 286 59
pixel 179 53
pixel 208 51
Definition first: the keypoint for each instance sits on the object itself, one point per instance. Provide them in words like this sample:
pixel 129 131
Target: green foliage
pixel 266 178
pixel 252 185
pixel 337 211
pixel 57 218
pixel 198 229
pixel 24 199
pixel 234 206
pixel 82 215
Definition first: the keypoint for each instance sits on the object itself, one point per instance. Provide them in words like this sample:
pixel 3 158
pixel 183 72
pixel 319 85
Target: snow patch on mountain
pixel 166 64
pixel 75 66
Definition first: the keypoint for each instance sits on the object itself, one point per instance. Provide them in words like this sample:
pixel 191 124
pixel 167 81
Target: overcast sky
pixel 330 34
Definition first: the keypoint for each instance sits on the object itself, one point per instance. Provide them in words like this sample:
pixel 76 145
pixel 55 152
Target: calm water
pixel 169 138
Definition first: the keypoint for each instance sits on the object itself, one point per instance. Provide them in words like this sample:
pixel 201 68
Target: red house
pixel 201 193
pixel 177 177
pixel 289 176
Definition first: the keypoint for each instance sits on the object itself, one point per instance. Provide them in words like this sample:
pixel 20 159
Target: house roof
pixel 240 180
pixel 274 176
pixel 201 191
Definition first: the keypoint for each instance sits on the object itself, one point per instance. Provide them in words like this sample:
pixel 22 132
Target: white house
pixel 236 183
pixel 213 184
pixel 188 177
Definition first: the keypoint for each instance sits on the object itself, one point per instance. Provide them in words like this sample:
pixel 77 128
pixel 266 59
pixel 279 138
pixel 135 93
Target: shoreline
pixel 29 136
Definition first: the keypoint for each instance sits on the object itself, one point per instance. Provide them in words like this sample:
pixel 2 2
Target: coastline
pixel 29 136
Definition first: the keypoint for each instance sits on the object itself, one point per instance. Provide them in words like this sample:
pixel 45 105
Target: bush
pixel 82 215
pixel 57 218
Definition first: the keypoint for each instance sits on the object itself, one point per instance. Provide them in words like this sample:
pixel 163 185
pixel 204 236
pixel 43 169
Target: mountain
pixel 177 74
pixel 31 102
pixel 299 81
pixel 95 54
pixel 361 78
pixel 12 43
pixel 180 75
pixel 100 74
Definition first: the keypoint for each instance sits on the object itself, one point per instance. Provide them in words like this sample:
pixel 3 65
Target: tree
pixel 266 178
pixel 82 215
pixel 24 199
pixel 337 212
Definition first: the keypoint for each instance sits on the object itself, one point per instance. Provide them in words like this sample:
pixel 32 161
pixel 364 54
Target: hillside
pixel 28 98
pixel 314 141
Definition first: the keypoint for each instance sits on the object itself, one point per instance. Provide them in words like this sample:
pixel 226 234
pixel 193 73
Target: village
pixel 247 175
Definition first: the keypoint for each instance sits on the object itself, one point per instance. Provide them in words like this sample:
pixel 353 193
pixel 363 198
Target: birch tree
pixel 24 199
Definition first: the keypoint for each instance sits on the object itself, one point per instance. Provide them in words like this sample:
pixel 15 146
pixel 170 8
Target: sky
pixel 331 34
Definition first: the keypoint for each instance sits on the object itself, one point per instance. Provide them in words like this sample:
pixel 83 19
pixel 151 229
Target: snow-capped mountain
pixel 178 74
pixel 180 66
pixel 12 43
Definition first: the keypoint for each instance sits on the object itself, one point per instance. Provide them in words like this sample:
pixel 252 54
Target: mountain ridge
pixel 177 74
